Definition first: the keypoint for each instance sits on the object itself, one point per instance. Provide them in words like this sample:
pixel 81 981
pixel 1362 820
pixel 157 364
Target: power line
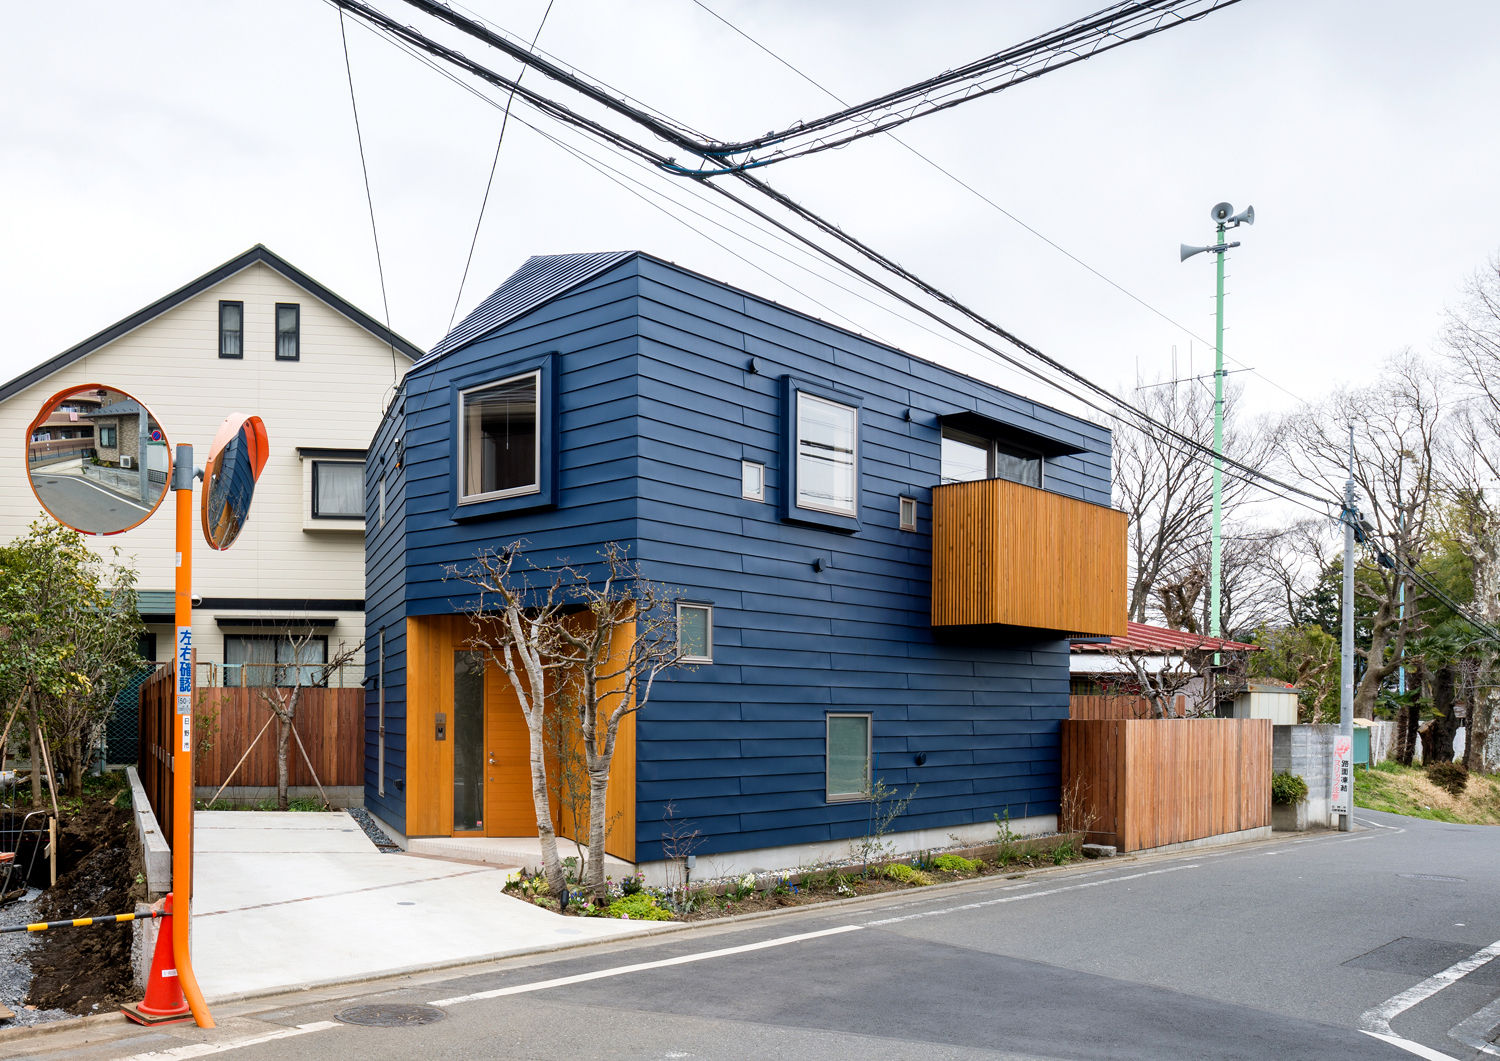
pixel 560 112
pixel 490 180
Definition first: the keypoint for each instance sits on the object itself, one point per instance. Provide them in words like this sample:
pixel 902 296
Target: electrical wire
pixel 490 181
pixel 560 112
pixel 364 169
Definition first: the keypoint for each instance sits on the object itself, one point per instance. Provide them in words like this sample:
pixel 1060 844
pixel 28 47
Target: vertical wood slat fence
pixel 157 722
pixel 1147 783
pixel 331 723
pixel 1102 705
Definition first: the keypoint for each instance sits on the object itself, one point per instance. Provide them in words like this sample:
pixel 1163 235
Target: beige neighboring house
pixel 255 335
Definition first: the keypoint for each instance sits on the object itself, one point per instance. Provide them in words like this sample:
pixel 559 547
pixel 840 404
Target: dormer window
pixel 967 457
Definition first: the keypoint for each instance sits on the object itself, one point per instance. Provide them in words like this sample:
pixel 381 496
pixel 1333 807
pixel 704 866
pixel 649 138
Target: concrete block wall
pixel 1307 751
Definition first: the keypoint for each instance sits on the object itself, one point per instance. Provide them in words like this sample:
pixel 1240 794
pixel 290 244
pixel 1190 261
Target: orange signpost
pixel 97 484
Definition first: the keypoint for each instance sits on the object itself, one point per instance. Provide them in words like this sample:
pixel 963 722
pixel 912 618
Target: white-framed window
pixel 827 448
pixel 847 756
pixel 908 513
pixel 231 330
pixel 252 660
pixel 695 633
pixel 967 457
pixel 288 331
pixel 753 480
pixel 500 445
pixel 338 489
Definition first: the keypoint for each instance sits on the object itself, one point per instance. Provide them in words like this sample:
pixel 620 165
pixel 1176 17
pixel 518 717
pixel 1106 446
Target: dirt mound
pixel 85 970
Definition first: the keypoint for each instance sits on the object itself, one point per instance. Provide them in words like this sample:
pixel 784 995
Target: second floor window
pixel 232 330
pixel 967 457
pixel 252 660
pixel 288 331
pixel 827 444
pixel 338 489
pixel 500 448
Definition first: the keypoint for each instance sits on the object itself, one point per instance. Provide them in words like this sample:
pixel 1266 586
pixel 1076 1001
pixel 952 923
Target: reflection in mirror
pixel 234 464
pixel 97 459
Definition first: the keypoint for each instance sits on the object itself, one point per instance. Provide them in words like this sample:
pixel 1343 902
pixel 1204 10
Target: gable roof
pixel 1142 638
pixel 258 253
pixel 540 278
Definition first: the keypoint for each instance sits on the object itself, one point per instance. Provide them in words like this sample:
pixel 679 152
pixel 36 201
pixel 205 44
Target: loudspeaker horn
pixel 1221 211
pixel 1189 251
pixel 1244 217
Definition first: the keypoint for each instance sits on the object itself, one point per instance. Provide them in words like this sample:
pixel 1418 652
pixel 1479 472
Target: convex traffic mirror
pixel 97 459
pixel 234 464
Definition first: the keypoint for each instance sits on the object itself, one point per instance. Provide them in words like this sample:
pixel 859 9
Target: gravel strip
pixel 374 832
pixel 15 969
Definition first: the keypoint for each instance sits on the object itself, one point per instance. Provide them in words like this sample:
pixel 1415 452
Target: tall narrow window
pixel 500 451
pixel 827 441
pixel 848 757
pixel 695 633
pixel 338 490
pixel 380 712
pixel 468 741
pixel 232 330
pixel 288 331
pixel 381 500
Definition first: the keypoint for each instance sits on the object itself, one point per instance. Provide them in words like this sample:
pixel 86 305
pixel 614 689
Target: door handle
pixel 492 760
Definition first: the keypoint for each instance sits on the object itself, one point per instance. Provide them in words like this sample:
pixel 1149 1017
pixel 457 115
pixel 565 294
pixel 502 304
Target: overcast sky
pixel 143 143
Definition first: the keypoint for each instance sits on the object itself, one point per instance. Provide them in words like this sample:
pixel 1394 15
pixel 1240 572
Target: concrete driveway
pixel 293 900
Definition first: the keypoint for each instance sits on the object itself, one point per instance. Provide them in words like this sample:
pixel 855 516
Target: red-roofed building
pixel 1102 672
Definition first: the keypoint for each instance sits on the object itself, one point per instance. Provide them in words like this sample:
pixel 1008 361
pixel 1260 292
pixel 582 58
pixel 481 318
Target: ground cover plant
pixel 1409 790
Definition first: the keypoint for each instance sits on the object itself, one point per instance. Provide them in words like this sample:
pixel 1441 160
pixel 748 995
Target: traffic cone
pixel 164 1003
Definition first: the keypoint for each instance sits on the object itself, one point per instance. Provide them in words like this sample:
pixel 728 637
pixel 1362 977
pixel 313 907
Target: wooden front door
pixel 508 807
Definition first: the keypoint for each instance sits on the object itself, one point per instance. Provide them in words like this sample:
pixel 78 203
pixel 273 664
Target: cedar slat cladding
pixel 1015 555
pixel 1146 783
pixel 1101 705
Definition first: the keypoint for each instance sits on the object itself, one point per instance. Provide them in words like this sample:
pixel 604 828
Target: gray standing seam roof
pixel 540 278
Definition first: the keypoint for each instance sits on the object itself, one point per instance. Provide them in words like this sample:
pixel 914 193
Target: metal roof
pixel 1142 638
pixel 127 407
pixel 540 278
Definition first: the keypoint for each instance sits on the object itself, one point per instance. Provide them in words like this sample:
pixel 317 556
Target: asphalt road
pixel 1282 949
pixel 85 504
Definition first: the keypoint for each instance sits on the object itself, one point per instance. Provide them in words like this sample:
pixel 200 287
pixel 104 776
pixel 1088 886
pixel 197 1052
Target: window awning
pixel 278 621
pixel 988 427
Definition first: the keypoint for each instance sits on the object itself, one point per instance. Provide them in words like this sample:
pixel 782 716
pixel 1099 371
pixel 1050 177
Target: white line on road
pixel 622 970
pixel 175 1053
pixel 1026 895
pixel 1379 1019
pixel 1410 1047
pixel 113 496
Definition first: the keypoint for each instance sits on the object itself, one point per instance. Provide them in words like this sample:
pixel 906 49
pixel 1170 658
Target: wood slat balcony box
pixel 1013 555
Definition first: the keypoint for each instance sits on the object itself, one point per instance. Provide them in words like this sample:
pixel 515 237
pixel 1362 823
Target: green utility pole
pixel 1224 218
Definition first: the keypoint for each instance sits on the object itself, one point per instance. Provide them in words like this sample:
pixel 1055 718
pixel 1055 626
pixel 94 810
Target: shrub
pixel 956 864
pixel 1452 778
pixel 900 871
pixel 1287 788
pixel 638 907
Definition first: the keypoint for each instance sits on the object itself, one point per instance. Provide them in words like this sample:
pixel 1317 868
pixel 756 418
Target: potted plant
pixel 1288 802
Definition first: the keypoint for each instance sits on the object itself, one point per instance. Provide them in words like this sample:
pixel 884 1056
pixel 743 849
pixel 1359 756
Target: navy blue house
pixel 880 562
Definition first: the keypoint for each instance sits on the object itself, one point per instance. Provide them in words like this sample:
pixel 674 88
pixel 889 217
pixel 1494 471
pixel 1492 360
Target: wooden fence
pixel 331 723
pixel 1147 783
pixel 1103 705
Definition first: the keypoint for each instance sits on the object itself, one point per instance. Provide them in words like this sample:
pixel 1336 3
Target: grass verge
pixel 1405 790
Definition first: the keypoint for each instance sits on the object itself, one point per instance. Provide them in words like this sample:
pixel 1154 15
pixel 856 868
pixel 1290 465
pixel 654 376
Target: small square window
pixel 232 330
pixel 500 449
pixel 908 513
pixel 753 480
pixel 848 757
pixel 695 633
pixel 288 331
pixel 338 490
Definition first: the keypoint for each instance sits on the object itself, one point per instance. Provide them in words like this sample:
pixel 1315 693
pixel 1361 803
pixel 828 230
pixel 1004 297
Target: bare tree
pixel 284 694
pixel 1399 427
pixel 1472 344
pixel 1167 489
pixel 1165 681
pixel 592 646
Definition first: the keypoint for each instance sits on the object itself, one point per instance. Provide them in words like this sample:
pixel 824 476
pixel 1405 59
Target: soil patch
pixel 86 970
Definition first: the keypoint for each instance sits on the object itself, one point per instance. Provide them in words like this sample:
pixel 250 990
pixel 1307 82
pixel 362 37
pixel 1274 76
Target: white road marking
pixel 622 970
pixel 1026 895
pixel 114 496
pixel 1379 1019
pixel 1379 825
pixel 1472 1031
pixel 203 1049
pixel 1410 1047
